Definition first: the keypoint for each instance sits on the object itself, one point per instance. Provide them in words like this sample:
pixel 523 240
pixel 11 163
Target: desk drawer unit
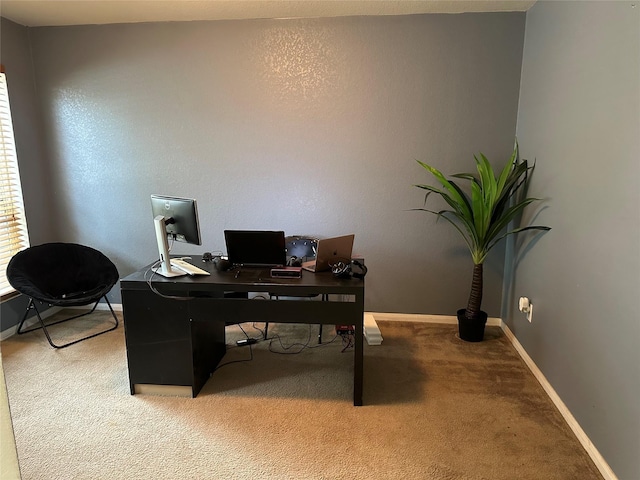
pixel 169 342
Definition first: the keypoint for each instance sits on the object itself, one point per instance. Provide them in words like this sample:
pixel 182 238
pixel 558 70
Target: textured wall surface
pixel 27 124
pixel 33 159
pixel 580 116
pixel 310 126
pixel 313 126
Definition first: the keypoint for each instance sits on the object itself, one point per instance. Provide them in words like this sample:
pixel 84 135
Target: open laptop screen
pixel 256 248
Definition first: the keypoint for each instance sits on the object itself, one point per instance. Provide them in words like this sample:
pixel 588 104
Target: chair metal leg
pixel 44 326
pixel 325 297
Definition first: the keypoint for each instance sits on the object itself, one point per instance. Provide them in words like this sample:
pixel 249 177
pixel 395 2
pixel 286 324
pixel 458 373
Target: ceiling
pixel 36 13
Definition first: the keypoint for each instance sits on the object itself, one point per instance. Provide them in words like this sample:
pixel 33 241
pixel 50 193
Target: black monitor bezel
pixel 272 248
pixel 184 212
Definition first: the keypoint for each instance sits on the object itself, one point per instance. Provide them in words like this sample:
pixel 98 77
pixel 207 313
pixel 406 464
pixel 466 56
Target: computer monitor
pixel 256 248
pixel 177 218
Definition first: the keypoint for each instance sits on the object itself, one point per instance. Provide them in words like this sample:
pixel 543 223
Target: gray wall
pixel 15 55
pixel 310 126
pixel 579 116
pixel 27 123
pixel 313 125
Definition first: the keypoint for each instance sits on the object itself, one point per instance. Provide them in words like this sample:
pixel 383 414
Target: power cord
pixel 348 341
pixel 154 271
pixel 240 345
pixel 302 346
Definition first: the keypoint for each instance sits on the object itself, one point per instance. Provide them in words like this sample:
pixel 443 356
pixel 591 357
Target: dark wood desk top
pixel 248 280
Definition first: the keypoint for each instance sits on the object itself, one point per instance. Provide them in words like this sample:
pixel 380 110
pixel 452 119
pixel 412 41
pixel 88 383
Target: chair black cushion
pixel 62 274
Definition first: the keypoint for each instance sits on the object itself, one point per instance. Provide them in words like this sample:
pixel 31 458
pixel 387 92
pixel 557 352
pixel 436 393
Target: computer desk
pixel 177 338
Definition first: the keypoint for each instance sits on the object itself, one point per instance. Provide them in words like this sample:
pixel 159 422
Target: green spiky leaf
pixel 483 212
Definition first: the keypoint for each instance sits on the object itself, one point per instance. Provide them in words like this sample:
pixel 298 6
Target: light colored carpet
pixel 435 408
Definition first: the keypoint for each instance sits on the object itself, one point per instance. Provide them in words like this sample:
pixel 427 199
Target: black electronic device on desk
pixel 250 249
pixel 286 272
pixel 220 263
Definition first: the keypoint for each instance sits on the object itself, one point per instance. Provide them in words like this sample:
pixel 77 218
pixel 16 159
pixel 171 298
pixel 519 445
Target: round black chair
pixel 62 275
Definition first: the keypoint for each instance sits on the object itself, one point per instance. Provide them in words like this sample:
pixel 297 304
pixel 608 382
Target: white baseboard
pixel 581 435
pixel 418 317
pixel 593 452
pixel 30 322
pixel 117 307
pixel 372 333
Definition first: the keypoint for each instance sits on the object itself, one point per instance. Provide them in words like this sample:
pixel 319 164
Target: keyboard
pixel 187 267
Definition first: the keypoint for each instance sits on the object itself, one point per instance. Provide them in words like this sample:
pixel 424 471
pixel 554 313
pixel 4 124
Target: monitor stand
pixel 165 268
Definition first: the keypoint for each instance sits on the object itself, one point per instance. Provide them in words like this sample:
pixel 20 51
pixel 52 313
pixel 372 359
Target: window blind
pixel 13 225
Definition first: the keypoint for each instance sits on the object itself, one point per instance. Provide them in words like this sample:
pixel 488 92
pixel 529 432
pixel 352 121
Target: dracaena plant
pixel 483 212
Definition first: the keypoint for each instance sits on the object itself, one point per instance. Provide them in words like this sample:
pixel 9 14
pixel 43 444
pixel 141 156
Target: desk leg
pixel 358 353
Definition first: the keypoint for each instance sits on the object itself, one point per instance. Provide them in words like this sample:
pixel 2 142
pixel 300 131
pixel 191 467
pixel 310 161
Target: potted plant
pixel 482 215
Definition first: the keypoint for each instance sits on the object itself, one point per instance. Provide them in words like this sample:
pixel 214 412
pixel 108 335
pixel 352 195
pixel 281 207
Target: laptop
pixel 330 251
pixel 255 248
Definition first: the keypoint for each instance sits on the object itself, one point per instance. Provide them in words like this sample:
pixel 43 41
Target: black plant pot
pixel 471 330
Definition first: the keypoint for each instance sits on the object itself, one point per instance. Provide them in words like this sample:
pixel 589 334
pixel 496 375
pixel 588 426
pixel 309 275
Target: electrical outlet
pixel 525 306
